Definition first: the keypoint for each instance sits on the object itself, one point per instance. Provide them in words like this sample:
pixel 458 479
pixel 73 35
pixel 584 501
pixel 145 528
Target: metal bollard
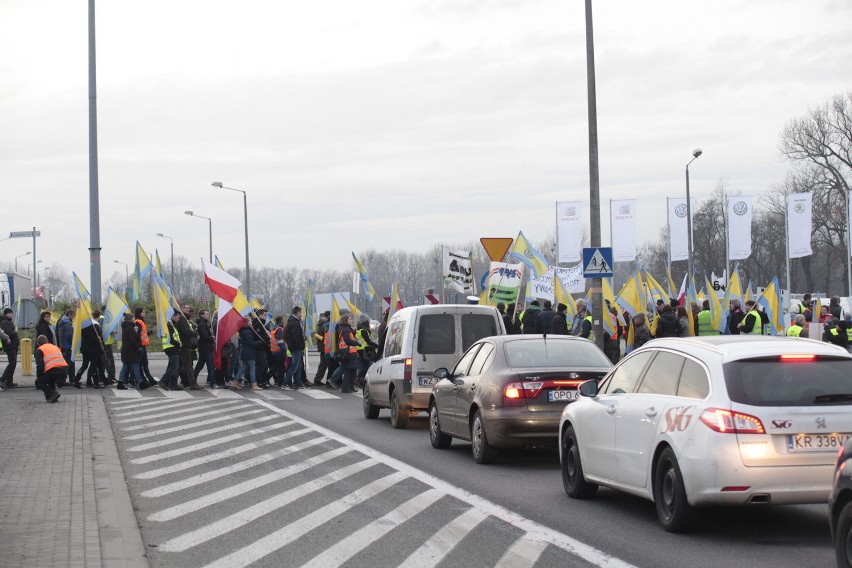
pixel 27 357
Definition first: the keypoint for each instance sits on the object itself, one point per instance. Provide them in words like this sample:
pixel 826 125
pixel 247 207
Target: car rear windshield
pixel 436 334
pixel 543 353
pixel 818 381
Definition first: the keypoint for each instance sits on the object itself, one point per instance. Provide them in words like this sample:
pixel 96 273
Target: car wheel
pixel 575 484
pixel 673 510
pixel 399 416
pixel 371 411
pixel 439 440
pixel 483 452
pixel 843 536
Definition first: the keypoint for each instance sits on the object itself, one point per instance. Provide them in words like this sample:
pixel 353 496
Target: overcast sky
pixel 389 124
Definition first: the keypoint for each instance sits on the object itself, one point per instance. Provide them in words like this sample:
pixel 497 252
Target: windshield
pixel 530 353
pixel 818 381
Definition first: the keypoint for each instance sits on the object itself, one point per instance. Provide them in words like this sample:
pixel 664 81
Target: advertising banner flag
pixel 569 230
pixel 799 225
pixel 739 227
pixel 504 282
pixel 678 229
pixel 458 274
pixel 623 228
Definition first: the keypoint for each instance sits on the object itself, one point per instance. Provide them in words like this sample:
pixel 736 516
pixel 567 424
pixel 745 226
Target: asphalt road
pixel 315 454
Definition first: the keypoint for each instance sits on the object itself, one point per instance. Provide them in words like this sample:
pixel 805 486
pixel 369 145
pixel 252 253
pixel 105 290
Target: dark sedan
pixel 509 391
pixel 840 506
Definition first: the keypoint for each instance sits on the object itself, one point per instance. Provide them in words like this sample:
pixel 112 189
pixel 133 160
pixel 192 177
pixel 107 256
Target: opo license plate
pixel 815 442
pixel 427 381
pixel 561 395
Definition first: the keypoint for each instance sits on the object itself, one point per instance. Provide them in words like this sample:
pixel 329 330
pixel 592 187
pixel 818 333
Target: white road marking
pixel 245 516
pixel 244 487
pixel 224 393
pixel 181 414
pixel 346 548
pixel 182 484
pixel 124 404
pixel 207 442
pixel 186 405
pixel 175 394
pixel 129 393
pixel 154 473
pixel 524 552
pixel 556 538
pixel 433 551
pixel 318 394
pixel 184 427
pixel 273 394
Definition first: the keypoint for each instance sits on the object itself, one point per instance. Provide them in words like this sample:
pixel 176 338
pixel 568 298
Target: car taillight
pixel 798 357
pixel 727 422
pixel 514 394
pixel 406 373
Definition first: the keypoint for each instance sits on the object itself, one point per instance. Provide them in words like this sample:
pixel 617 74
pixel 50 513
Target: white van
pixel 419 340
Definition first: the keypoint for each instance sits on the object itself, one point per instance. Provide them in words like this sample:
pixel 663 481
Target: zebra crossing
pixel 267 394
pixel 239 481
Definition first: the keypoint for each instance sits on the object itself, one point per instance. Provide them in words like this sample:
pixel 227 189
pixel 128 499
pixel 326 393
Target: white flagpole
pixel 787 234
pixel 727 244
pixel 848 250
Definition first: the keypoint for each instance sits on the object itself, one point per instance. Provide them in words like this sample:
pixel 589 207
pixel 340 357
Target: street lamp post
pixel 210 227
pixel 695 153
pixel 28 253
pixel 245 220
pixel 126 275
pixel 172 241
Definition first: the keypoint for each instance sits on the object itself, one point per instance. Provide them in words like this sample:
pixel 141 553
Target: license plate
pixel 561 395
pixel 815 442
pixel 427 381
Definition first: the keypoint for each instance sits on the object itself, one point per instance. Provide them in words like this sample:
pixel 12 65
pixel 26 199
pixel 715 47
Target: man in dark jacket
pixel 92 348
pixel 581 326
pixel 349 343
pixel 130 354
pixel 545 317
pixel 11 342
pixel 319 337
pixel 65 337
pixel 667 323
pixel 513 325
pixel 171 347
pixel 294 337
pixel 206 347
pixel 188 338
pixel 529 319
pixel 250 343
pixel 559 325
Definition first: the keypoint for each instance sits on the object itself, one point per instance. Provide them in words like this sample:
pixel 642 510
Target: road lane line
pixel 273 394
pixel 185 413
pixel 124 404
pixel 318 394
pixel 185 405
pixel 244 487
pixel 182 484
pixel 285 535
pixel 129 393
pixel 524 552
pixel 245 516
pixel 183 427
pixel 344 549
pixel 155 473
pixel 207 442
pixel 586 552
pixel 177 394
pixel 433 551
pixel 225 393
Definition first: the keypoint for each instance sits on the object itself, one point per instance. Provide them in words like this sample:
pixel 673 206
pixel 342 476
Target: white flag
pixel 571 278
pixel 678 229
pixel 623 229
pixel 799 225
pixel 457 270
pixel 569 230
pixel 739 227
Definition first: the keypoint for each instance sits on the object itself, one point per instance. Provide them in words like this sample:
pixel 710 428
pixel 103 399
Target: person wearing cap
pixel 368 349
pixel 44 328
pixel 347 344
pixel 335 362
pixel 294 337
pixel 188 340
pixel 319 338
pixel 529 318
pixel 11 341
pixel 559 325
pixel 65 338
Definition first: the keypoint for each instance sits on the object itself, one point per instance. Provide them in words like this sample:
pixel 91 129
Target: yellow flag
pixel 355 311
pixel 563 297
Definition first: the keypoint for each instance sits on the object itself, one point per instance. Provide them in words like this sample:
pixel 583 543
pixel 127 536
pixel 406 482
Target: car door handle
pixel 610 409
pixel 472 387
pixel 650 412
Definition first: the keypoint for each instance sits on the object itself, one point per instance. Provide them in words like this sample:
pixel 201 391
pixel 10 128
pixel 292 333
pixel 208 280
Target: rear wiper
pixel 833 397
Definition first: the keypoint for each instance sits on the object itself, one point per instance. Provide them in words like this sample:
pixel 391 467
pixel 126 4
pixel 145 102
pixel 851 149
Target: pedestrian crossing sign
pixel 597 262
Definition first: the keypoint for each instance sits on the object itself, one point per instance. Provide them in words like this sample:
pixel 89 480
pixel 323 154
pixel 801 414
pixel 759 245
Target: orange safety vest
pixel 143 333
pixel 52 357
pixel 273 345
pixel 342 345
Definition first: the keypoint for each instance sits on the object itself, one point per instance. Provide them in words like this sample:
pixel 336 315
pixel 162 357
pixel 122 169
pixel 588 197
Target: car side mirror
pixel 441 373
pixel 589 388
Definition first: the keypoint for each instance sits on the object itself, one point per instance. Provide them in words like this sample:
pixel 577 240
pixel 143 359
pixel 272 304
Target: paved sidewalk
pixel 63 497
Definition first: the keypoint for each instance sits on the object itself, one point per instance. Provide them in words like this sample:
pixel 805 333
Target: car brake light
pixel 406 374
pixel 727 422
pixel 798 357
pixel 736 488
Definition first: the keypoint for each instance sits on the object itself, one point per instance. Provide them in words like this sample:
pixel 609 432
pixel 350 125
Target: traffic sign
pixel 496 247
pixel 24 234
pixel 597 262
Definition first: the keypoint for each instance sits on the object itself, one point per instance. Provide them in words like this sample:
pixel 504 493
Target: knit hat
pixel 561 307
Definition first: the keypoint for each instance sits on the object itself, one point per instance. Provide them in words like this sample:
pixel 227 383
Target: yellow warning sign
pixel 496 248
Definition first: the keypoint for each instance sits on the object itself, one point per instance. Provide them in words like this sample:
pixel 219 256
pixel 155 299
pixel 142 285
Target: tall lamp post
pixel 172 241
pixel 695 153
pixel 210 227
pixel 126 275
pixel 28 253
pixel 245 220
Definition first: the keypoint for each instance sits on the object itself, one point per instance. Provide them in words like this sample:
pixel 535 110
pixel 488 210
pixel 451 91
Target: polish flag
pixel 681 295
pixel 220 282
pixel 229 322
